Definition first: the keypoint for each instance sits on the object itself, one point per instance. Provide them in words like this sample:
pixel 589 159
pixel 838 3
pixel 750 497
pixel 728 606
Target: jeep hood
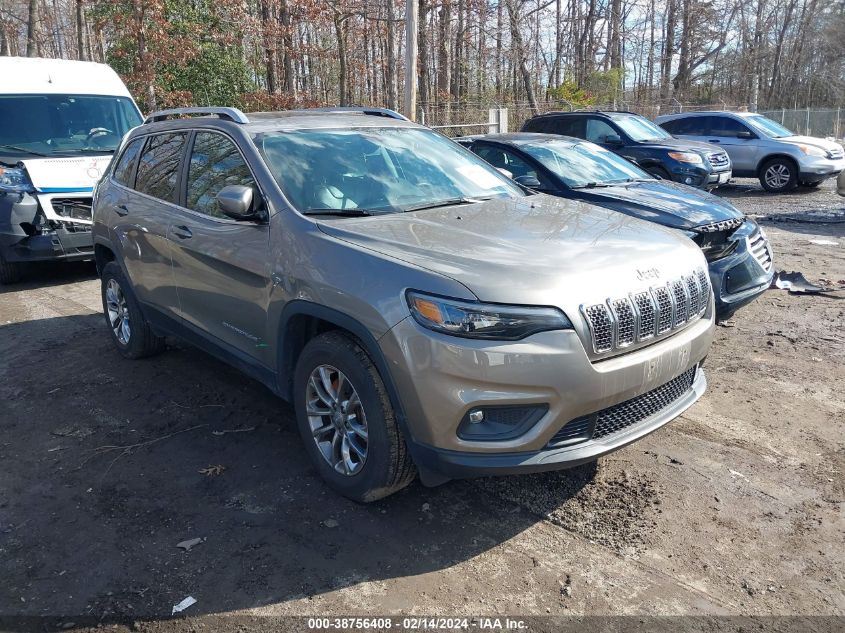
pixel 665 202
pixel 536 250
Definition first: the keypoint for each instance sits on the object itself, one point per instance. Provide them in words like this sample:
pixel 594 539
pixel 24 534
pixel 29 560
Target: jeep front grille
pixel 761 250
pixel 655 313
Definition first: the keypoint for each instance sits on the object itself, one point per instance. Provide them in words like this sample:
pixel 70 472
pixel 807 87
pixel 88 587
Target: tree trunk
pixel 443 61
pixel 422 37
pixel 80 30
pixel 269 48
pixel 340 33
pixel 392 94
pixel 516 38
pixel 32 46
pixel 668 51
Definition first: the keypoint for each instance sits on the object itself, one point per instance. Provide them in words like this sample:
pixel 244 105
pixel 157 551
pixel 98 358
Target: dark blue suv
pixel 639 140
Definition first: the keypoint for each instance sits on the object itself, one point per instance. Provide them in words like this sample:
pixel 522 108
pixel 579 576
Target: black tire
pixel 10 272
pixel 657 170
pixel 387 467
pixel 141 341
pixel 778 175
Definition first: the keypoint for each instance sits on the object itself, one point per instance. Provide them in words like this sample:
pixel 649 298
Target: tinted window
pixel 215 163
pixel 726 127
pixel 124 171
pixel 159 166
pixel 598 131
pixel 505 159
pixel 564 125
pixel 691 126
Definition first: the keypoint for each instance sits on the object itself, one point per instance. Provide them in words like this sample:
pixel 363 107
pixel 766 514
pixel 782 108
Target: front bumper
pixel 741 277
pixel 441 378
pixel 24 239
pixel 815 169
pixel 701 177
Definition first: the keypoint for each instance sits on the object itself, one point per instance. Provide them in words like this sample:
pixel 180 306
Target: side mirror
pixel 504 172
pixel 612 139
pixel 527 181
pixel 235 201
pixel 746 135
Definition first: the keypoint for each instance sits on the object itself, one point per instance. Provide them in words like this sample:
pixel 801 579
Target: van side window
pixel 158 167
pixel 215 163
pixel 124 171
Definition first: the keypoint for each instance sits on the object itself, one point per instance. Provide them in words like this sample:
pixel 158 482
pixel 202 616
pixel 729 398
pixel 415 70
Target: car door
pixel 221 265
pixel 143 202
pixel 737 139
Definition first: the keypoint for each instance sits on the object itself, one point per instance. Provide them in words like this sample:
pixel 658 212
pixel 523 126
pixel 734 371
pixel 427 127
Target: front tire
pixel 778 175
pixel 347 422
pixel 10 272
pixel 130 331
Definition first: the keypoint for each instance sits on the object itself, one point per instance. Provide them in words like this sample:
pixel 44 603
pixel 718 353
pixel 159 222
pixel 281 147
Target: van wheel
pixel 130 331
pixel 10 272
pixel 778 175
pixel 346 420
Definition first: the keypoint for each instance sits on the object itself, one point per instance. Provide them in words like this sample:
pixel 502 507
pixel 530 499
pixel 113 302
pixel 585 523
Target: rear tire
pixel 347 422
pixel 10 272
pixel 130 331
pixel 778 175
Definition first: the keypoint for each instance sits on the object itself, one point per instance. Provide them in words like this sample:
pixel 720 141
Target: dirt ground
pixel 733 509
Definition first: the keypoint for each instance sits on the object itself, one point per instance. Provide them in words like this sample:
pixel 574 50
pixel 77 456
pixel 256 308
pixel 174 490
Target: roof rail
pixel 385 112
pixel 232 114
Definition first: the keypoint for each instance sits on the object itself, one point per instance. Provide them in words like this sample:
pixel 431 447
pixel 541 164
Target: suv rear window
pixel 158 167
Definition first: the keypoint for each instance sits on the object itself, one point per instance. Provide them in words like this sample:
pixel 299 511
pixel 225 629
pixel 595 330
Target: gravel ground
pixel 734 509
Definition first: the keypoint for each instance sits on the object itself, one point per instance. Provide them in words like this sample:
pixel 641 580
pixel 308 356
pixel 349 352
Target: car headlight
pixel 687 157
pixel 811 150
pixel 15 180
pixel 483 320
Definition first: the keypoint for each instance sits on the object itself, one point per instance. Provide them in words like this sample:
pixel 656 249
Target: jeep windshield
pixel 380 170
pixel 64 125
pixel 639 128
pixel 584 164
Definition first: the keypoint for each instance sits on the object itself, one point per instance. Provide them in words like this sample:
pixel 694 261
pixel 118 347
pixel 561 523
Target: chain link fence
pixel 473 117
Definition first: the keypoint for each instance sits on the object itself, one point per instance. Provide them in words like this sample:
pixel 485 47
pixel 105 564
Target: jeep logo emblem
pixel 648 273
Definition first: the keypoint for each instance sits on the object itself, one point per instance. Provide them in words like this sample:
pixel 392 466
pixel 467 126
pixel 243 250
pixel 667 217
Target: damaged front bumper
pixel 45 227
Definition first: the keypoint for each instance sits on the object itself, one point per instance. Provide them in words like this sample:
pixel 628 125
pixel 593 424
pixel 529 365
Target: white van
pixel 60 123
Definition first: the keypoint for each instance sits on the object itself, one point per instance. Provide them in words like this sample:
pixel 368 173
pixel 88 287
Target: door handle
pixel 121 210
pixel 714 140
pixel 182 232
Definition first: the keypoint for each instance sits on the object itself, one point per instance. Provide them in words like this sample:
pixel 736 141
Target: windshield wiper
pixel 16 148
pixel 594 185
pixel 347 213
pixel 446 203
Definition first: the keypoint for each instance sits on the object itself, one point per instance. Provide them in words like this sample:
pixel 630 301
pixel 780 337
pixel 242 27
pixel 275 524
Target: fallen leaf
pixel 212 471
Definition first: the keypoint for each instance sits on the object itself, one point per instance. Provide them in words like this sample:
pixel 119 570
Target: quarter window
pixel 158 167
pixel 215 163
pixel 124 171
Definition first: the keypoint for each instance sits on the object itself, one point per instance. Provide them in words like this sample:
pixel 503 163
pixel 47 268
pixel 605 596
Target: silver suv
pixel 761 148
pixel 421 311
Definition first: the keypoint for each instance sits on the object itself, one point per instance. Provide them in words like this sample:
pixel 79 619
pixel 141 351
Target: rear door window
pixel 566 126
pixel 726 127
pixel 124 171
pixel 689 126
pixel 158 167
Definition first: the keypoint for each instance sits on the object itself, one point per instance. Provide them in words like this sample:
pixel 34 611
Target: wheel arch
pixel 769 157
pixel 102 256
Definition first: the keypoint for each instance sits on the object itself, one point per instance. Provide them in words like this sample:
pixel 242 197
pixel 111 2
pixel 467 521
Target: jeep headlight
pixel 14 180
pixel 687 157
pixel 484 320
pixel 811 150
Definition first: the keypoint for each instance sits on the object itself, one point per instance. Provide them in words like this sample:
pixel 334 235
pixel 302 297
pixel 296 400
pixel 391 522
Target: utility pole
pixel 411 10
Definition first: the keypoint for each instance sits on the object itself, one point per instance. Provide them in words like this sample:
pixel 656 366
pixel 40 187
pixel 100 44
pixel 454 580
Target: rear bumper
pixel 457 464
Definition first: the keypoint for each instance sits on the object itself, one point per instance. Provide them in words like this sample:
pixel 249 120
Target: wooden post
pixel 411 12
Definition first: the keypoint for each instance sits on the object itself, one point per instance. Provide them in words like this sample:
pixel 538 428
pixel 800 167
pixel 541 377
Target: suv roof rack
pixel 385 112
pixel 232 114
pixel 590 110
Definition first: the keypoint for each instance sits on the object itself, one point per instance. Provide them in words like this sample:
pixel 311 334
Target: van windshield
pixel 378 170
pixel 51 125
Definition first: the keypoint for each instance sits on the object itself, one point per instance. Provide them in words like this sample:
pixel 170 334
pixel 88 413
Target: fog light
pixel 688 180
pixel 476 416
pixel 500 422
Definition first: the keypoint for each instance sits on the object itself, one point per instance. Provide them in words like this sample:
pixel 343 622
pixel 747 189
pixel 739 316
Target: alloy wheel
pixel 777 176
pixel 337 419
pixel 118 312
